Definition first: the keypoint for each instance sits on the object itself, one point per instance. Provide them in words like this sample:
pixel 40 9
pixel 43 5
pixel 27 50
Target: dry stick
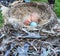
pixel 31 43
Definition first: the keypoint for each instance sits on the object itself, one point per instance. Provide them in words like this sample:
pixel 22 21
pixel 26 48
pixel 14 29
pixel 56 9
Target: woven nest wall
pixel 21 42
pixel 43 10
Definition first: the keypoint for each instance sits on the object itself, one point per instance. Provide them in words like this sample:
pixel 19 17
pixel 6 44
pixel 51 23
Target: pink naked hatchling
pixel 32 19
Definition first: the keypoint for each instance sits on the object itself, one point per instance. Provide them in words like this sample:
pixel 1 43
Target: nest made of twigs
pixel 20 10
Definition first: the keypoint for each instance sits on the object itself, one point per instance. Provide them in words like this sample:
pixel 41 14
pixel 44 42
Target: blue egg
pixel 27 0
pixel 33 24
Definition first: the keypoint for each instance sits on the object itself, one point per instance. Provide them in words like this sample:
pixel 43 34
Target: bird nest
pixel 22 11
pixel 19 41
